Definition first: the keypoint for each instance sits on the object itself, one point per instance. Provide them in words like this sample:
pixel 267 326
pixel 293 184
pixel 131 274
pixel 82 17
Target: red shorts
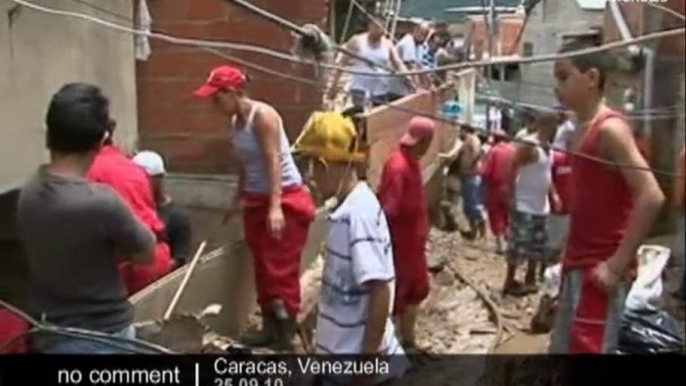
pixel 137 277
pixel 588 320
pixel 410 291
pixel 498 211
pixel 13 328
pixel 277 262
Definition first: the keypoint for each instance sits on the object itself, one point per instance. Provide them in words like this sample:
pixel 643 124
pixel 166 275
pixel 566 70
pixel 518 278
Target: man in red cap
pixel 401 194
pixel 276 206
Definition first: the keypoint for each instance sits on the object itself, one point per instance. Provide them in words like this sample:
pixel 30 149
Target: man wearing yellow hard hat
pixel 359 275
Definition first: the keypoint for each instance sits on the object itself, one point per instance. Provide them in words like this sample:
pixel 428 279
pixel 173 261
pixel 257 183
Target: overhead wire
pixel 280 55
pixel 108 339
pixel 664 9
pixel 549 57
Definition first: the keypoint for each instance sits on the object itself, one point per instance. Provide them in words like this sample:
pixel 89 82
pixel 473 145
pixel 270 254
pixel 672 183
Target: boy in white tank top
pixel 530 190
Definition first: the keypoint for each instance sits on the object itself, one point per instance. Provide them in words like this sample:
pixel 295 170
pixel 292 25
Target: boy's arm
pixel 391 190
pixel 619 145
pixel 373 271
pixel 379 301
pixel 132 239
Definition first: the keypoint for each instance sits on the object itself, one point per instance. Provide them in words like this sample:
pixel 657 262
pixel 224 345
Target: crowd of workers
pixel 98 225
pixel 424 47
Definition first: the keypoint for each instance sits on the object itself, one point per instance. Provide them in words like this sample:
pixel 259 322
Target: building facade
pixel 548 26
pixel 38 54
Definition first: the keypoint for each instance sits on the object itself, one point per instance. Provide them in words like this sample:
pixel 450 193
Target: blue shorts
pixel 472 198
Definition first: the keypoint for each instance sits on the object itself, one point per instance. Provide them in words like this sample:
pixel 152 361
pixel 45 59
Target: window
pixel 509 71
pixel 528 49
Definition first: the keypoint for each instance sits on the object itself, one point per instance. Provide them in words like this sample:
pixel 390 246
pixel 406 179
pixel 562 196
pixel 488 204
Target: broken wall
pixel 41 52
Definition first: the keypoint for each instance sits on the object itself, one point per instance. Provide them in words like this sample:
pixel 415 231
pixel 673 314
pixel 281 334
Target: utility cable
pixel 114 341
pixel 193 42
pixel 664 9
pixel 283 56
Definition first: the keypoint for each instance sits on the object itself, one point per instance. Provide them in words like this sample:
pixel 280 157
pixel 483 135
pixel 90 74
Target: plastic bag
pixel 551 281
pixel 646 291
pixel 649 332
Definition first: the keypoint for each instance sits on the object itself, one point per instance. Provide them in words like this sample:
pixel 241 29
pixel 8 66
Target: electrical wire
pixel 664 9
pixel 303 32
pixel 547 147
pixel 263 69
pixel 165 37
pixel 283 56
pixel 201 44
pixel 114 341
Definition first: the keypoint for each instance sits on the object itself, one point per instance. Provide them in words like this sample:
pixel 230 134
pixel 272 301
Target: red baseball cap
pixel 222 78
pixel 420 128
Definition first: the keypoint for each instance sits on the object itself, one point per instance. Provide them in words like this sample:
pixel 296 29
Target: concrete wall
pixel 665 136
pixel 192 135
pixel 547 22
pixel 38 54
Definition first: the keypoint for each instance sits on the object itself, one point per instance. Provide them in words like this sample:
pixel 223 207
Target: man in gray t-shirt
pixel 74 231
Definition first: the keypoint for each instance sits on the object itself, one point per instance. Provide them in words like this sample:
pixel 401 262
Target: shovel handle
pixel 184 283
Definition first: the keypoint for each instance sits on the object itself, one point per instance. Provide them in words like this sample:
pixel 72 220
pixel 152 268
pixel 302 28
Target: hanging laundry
pixel 144 23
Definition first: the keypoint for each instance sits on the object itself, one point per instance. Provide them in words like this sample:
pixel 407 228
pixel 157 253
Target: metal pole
pixel 491 51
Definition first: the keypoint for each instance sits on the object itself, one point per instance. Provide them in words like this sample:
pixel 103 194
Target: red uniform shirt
pixel 496 166
pixel 562 179
pixel 401 194
pixel 113 168
pixel 600 205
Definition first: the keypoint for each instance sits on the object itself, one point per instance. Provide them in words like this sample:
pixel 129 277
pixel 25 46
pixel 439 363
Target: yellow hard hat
pixel 331 137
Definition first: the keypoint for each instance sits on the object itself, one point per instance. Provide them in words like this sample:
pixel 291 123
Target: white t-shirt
pixel 533 184
pixel 358 250
pixel 409 52
pixel 564 135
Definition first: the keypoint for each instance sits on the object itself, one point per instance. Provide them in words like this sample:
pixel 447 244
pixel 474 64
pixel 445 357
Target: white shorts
pixel 558 228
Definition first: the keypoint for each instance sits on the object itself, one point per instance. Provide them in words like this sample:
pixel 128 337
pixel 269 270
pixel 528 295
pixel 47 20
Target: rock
pixel 445 279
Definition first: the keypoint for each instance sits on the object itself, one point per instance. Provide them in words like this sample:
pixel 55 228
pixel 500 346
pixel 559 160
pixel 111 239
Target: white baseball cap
pixel 151 162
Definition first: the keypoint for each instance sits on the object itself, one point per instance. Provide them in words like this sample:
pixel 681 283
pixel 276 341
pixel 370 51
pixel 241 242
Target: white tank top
pixel 533 184
pixel 373 85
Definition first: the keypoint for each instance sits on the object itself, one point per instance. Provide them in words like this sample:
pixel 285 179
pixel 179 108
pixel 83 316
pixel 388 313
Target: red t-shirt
pixel 401 194
pixel 496 167
pixel 562 179
pixel 113 168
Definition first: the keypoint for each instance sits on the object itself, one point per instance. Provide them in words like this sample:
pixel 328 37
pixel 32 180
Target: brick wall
pixel 191 135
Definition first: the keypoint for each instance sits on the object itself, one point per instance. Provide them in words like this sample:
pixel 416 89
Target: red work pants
pixel 277 262
pixel 498 212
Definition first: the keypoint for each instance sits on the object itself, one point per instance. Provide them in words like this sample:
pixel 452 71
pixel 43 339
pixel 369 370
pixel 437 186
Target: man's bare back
pixel 470 156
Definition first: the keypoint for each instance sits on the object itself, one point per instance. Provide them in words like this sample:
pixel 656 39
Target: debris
pixel 179 333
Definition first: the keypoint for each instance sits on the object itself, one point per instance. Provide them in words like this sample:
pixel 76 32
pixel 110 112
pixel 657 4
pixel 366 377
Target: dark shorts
pixel 527 237
pixel 472 198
